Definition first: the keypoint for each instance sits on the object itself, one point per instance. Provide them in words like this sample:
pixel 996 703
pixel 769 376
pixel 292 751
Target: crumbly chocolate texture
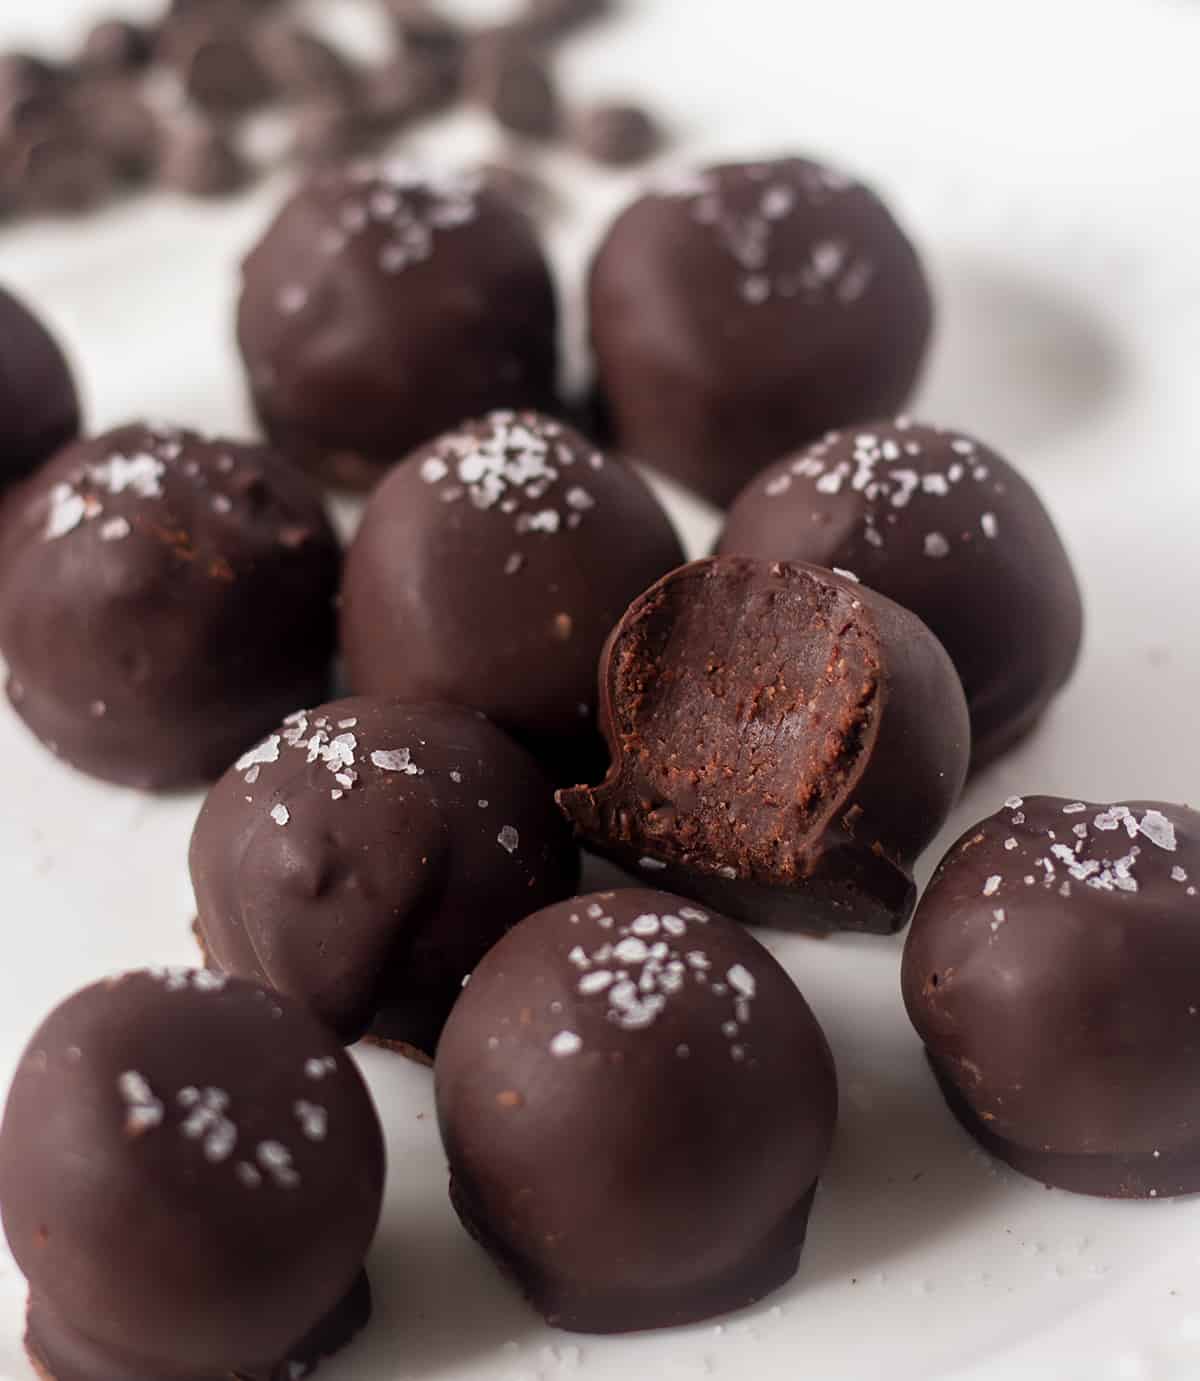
pixel 383 307
pixel 937 521
pixel 784 741
pixel 164 601
pixel 39 406
pixel 741 311
pixel 636 1103
pixel 1053 972
pixel 488 571
pixel 191 1172
pixel 364 857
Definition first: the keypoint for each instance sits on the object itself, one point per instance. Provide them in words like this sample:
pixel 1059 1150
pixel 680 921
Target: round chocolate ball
pixel 937 521
pixel 739 312
pixel 636 1103
pixel 785 744
pixel 164 601
pixel 191 1172
pixel 383 307
pixel 39 407
pixel 489 569
pixel 1053 972
pixel 364 857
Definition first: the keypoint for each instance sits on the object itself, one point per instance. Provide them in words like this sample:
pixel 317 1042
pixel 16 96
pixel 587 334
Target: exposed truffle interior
pixel 743 702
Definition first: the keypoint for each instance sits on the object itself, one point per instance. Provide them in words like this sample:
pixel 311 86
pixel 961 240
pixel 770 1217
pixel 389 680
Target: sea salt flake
pixel 280 814
pixel 936 545
pixel 508 839
pixel 1155 826
pixel 741 980
pixel 566 1043
pixel 395 760
pixel 651 865
pixel 989 525
pixel 266 752
pixel 992 885
pixel 313 1119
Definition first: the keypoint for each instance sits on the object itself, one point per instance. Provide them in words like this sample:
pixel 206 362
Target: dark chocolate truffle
pixel 616 133
pixel 1053 972
pixel 382 309
pixel 164 601
pixel 740 312
pixel 636 1103
pixel 364 858
pixel 941 524
pixel 39 407
pixel 191 1173
pixel 488 571
pixel 785 743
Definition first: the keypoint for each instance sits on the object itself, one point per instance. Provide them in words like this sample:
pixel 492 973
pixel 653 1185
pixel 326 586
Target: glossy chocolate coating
pixel 636 1103
pixel 1053 972
pixel 367 854
pixel 785 743
pixel 381 309
pixel 742 311
pixel 941 524
pixel 191 1172
pixel 164 600
pixel 39 407
pixel 488 571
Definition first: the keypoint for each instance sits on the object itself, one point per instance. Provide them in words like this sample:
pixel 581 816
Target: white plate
pixel 1048 167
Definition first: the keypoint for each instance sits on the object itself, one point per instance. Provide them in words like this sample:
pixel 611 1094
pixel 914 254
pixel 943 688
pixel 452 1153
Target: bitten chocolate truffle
pixel 383 307
pixel 740 312
pixel 1053 972
pixel 363 859
pixel 784 741
pixel 636 1104
pixel 488 571
pixel 941 524
pixel 191 1172
pixel 39 408
pixel 164 601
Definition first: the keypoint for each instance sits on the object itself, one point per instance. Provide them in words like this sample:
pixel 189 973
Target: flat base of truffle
pixel 586 1308
pixel 60 1353
pixel 377 1038
pixel 1149 1175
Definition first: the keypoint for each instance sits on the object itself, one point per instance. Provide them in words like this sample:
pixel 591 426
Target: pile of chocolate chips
pixel 168 101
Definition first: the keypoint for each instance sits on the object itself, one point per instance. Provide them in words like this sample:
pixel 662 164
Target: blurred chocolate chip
pixel 408 88
pixel 324 129
pixel 56 171
pixel 216 62
pixel 113 46
pixel 425 33
pixel 302 66
pixel 555 18
pixel 514 82
pixel 200 160
pixel 518 185
pixel 120 123
pixel 616 133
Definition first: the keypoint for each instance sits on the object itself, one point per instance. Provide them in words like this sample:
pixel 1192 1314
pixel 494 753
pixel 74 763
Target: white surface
pixel 1044 155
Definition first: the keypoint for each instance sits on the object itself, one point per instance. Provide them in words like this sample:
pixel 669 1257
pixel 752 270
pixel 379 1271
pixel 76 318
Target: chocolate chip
pixel 328 129
pixel 423 32
pixel 302 66
pixel 56 171
pixel 216 61
pixel 555 18
pixel 200 160
pixel 115 45
pixel 514 82
pixel 616 133
pixel 120 123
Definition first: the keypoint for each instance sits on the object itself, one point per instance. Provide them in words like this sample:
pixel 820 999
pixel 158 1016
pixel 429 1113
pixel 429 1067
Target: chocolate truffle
pixel 39 407
pixel 636 1103
pixel 488 571
pixel 191 1172
pixel 384 307
pixel 164 601
pixel 941 524
pixel 739 312
pixel 785 743
pixel 1053 972
pixel 365 857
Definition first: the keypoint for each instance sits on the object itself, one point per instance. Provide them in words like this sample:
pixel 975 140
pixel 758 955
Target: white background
pixel 1045 156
